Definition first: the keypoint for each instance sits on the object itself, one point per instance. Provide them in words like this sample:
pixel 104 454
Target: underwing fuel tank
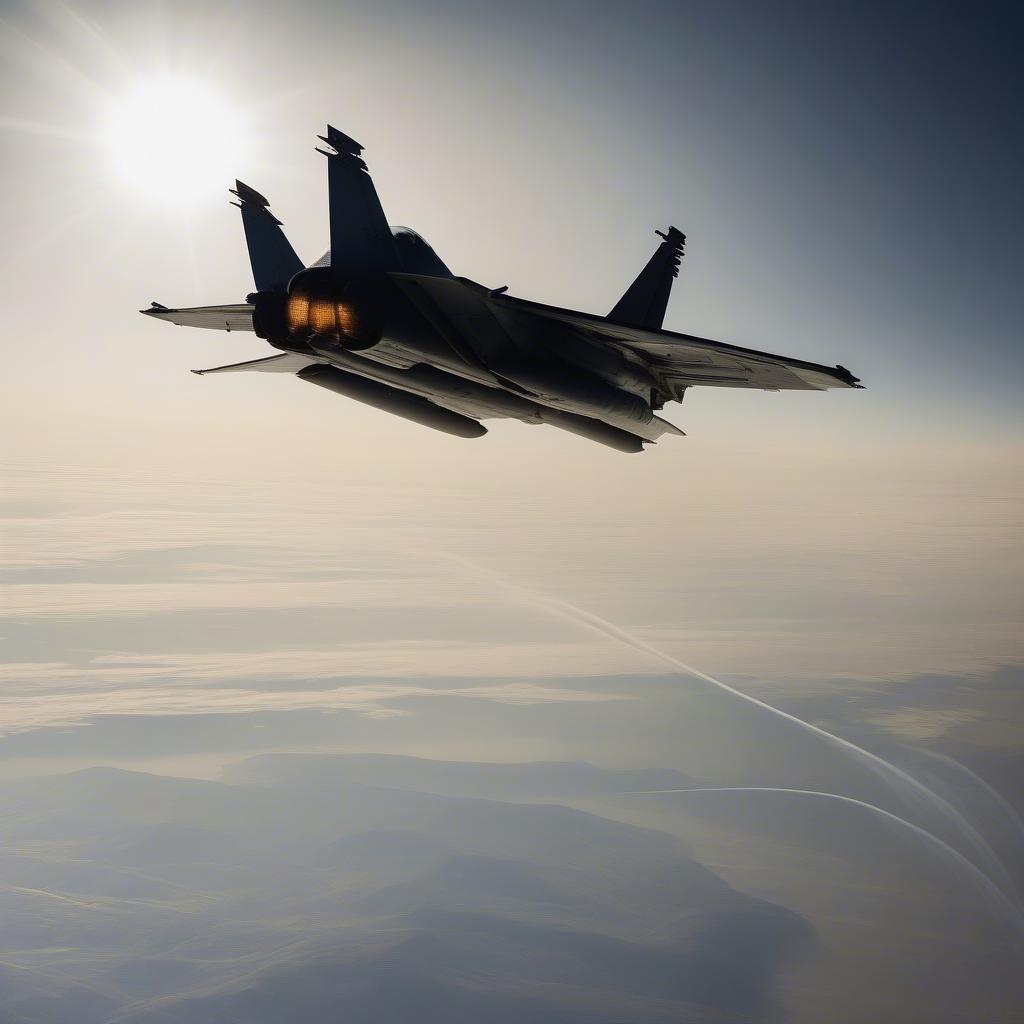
pixel 446 386
pixel 392 400
pixel 593 430
pixel 430 382
pixel 576 390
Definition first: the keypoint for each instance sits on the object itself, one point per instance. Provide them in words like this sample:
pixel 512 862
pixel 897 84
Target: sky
pixel 197 571
pixel 846 176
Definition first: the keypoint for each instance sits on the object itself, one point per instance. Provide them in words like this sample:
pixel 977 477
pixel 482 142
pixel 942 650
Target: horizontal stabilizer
pixel 646 299
pixel 237 317
pixel 286 362
pixel 271 255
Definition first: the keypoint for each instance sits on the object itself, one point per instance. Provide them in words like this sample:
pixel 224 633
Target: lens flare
pixel 175 139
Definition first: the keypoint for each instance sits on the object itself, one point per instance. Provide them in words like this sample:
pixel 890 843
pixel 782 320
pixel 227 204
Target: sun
pixel 175 138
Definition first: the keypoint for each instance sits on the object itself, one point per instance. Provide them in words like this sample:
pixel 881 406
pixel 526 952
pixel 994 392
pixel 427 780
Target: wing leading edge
pixel 285 362
pixel 682 360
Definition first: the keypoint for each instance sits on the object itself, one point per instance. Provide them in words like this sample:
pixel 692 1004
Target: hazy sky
pixel 847 175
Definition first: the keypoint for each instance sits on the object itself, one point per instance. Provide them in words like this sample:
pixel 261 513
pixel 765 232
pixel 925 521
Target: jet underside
pixel 380 319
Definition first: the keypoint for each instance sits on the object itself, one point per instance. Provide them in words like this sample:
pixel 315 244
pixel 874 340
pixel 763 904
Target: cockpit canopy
pixel 416 254
pixel 414 251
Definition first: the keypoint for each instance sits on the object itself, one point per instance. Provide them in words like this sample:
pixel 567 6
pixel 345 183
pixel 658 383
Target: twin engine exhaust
pixel 317 302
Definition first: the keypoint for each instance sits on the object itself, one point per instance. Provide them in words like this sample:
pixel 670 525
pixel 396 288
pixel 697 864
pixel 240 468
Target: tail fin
pixel 646 299
pixel 272 257
pixel 361 240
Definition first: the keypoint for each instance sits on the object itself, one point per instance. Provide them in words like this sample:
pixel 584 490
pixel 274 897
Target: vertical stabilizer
pixel 361 241
pixel 646 299
pixel 271 255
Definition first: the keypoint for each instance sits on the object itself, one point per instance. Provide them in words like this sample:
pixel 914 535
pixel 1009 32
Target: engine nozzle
pixel 319 303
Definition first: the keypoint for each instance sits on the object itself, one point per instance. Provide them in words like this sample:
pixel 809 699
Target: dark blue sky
pixel 875 148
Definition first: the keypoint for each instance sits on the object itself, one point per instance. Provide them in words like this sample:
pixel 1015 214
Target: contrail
pixel 875 763
pixel 1012 816
pixel 999 899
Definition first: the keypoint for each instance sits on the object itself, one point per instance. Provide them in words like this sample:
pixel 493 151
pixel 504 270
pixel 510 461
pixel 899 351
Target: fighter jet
pixel 382 320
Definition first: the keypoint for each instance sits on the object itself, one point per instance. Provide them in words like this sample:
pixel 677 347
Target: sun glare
pixel 175 139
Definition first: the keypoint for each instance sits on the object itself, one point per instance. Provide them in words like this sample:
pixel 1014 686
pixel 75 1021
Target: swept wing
pixel 683 360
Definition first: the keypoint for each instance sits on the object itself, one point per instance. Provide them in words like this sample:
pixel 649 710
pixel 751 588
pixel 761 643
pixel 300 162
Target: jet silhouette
pixel 381 319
